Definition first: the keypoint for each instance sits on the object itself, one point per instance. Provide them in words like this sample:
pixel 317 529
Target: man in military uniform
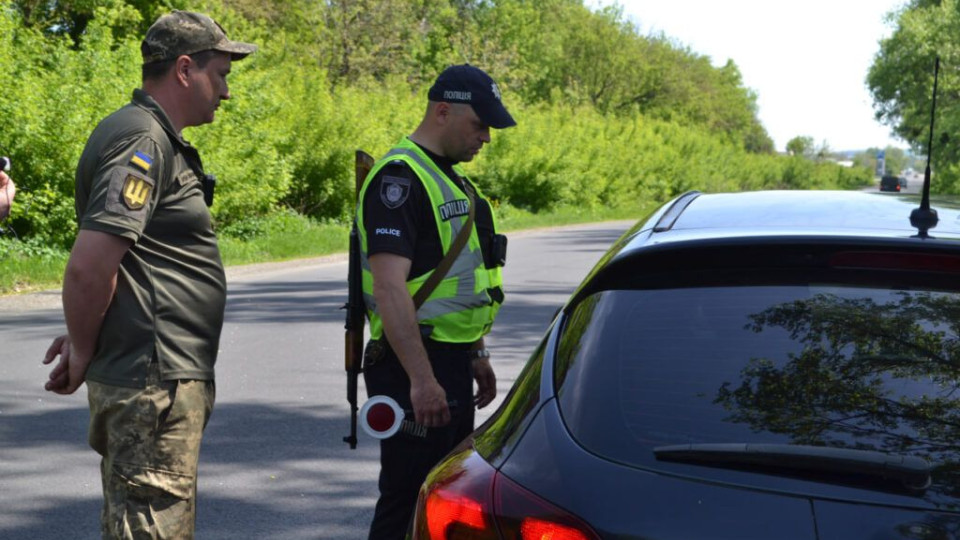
pixel 414 204
pixel 144 289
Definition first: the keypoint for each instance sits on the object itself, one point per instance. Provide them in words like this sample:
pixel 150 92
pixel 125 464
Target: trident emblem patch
pixel 136 192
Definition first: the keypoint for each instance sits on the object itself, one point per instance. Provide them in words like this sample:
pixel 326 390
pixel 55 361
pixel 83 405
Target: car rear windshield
pixel 818 365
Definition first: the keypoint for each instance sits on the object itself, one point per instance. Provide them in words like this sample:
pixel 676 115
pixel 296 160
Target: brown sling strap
pixel 458 244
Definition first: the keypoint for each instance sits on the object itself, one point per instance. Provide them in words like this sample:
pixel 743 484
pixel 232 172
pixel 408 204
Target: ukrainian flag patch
pixel 141 161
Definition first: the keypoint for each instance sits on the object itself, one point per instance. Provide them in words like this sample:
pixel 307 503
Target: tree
pixel 369 38
pixel 822 152
pixel 801 145
pixel 901 80
pixel 566 53
pixel 72 17
pixel 895 160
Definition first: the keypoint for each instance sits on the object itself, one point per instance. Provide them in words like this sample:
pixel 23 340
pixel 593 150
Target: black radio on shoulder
pixel 498 249
pixel 209 184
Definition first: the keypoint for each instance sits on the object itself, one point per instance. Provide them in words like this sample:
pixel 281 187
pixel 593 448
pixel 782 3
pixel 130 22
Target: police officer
pixel 144 290
pixel 414 203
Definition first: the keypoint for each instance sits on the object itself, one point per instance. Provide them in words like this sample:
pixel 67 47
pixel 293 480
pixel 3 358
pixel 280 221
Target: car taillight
pixel 456 500
pixel 543 530
pixel 447 511
pixel 466 498
pixel 523 515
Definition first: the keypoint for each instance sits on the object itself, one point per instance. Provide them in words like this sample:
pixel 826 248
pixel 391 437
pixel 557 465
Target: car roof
pixel 769 225
pixel 799 213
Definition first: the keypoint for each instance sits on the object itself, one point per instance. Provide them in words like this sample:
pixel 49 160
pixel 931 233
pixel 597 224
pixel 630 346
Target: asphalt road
pixel 272 463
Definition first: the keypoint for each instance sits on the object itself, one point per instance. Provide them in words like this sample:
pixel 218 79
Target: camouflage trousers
pixel 150 442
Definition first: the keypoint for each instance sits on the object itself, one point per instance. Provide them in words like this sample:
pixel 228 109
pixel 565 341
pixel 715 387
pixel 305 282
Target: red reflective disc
pixel 380 417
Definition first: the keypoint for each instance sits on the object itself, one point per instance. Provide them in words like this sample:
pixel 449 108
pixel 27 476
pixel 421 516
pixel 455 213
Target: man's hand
pixel 70 372
pixel 8 190
pixel 486 382
pixel 429 403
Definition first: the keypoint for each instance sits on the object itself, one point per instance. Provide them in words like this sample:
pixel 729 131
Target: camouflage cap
pixel 185 32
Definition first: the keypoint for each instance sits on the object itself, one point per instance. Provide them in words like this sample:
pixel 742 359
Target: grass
pixel 24 273
pixel 27 266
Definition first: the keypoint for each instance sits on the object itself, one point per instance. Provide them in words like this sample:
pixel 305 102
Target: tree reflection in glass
pixel 871 375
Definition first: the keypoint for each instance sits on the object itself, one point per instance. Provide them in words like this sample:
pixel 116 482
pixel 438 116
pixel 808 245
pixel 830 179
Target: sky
pixel 807 61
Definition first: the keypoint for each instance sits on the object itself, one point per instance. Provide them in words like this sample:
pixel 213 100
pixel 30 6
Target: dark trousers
pixel 406 459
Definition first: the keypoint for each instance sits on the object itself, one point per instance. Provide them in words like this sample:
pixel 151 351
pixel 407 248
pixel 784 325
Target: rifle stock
pixel 356 311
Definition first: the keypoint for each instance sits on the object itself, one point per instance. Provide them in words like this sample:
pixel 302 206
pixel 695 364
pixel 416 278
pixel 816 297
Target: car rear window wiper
pixel 910 472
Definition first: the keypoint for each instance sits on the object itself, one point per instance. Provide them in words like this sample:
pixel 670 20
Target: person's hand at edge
pixel 8 190
pixel 67 376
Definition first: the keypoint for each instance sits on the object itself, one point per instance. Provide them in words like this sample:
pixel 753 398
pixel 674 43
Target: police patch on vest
pixel 452 209
pixel 394 191
pixel 136 192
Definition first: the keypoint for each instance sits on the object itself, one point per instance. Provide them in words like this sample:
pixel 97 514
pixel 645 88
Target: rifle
pixel 356 309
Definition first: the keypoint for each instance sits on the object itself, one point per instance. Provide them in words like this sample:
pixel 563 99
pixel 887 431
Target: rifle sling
pixel 458 244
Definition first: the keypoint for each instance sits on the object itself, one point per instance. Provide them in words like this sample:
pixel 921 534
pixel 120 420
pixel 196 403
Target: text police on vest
pixel 391 232
pixel 453 209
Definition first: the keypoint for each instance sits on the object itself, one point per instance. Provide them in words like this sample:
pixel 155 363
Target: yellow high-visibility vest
pixel 461 308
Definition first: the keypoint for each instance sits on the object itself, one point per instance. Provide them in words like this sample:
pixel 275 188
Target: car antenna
pixel 925 218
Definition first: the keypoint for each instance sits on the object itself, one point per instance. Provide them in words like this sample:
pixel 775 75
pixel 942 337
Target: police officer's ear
pixel 442 112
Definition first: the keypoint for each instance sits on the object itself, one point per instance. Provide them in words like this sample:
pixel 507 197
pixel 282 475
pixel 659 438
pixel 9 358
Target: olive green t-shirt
pixel 138 179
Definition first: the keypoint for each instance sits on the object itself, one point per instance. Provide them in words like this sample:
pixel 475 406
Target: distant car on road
pixel 750 366
pixel 890 183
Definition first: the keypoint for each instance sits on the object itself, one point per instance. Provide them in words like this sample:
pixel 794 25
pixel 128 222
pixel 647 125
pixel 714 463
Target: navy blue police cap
pixel 468 84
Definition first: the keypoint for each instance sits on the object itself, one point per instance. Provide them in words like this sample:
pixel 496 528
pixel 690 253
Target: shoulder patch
pixel 394 191
pixel 136 192
pixel 142 161
pixel 187 177
pixel 129 192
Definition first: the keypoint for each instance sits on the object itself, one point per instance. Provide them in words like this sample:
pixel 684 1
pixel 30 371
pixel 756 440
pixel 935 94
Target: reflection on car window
pixel 810 365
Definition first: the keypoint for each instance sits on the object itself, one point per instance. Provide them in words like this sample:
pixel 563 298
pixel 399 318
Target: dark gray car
pixel 890 183
pixel 751 366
